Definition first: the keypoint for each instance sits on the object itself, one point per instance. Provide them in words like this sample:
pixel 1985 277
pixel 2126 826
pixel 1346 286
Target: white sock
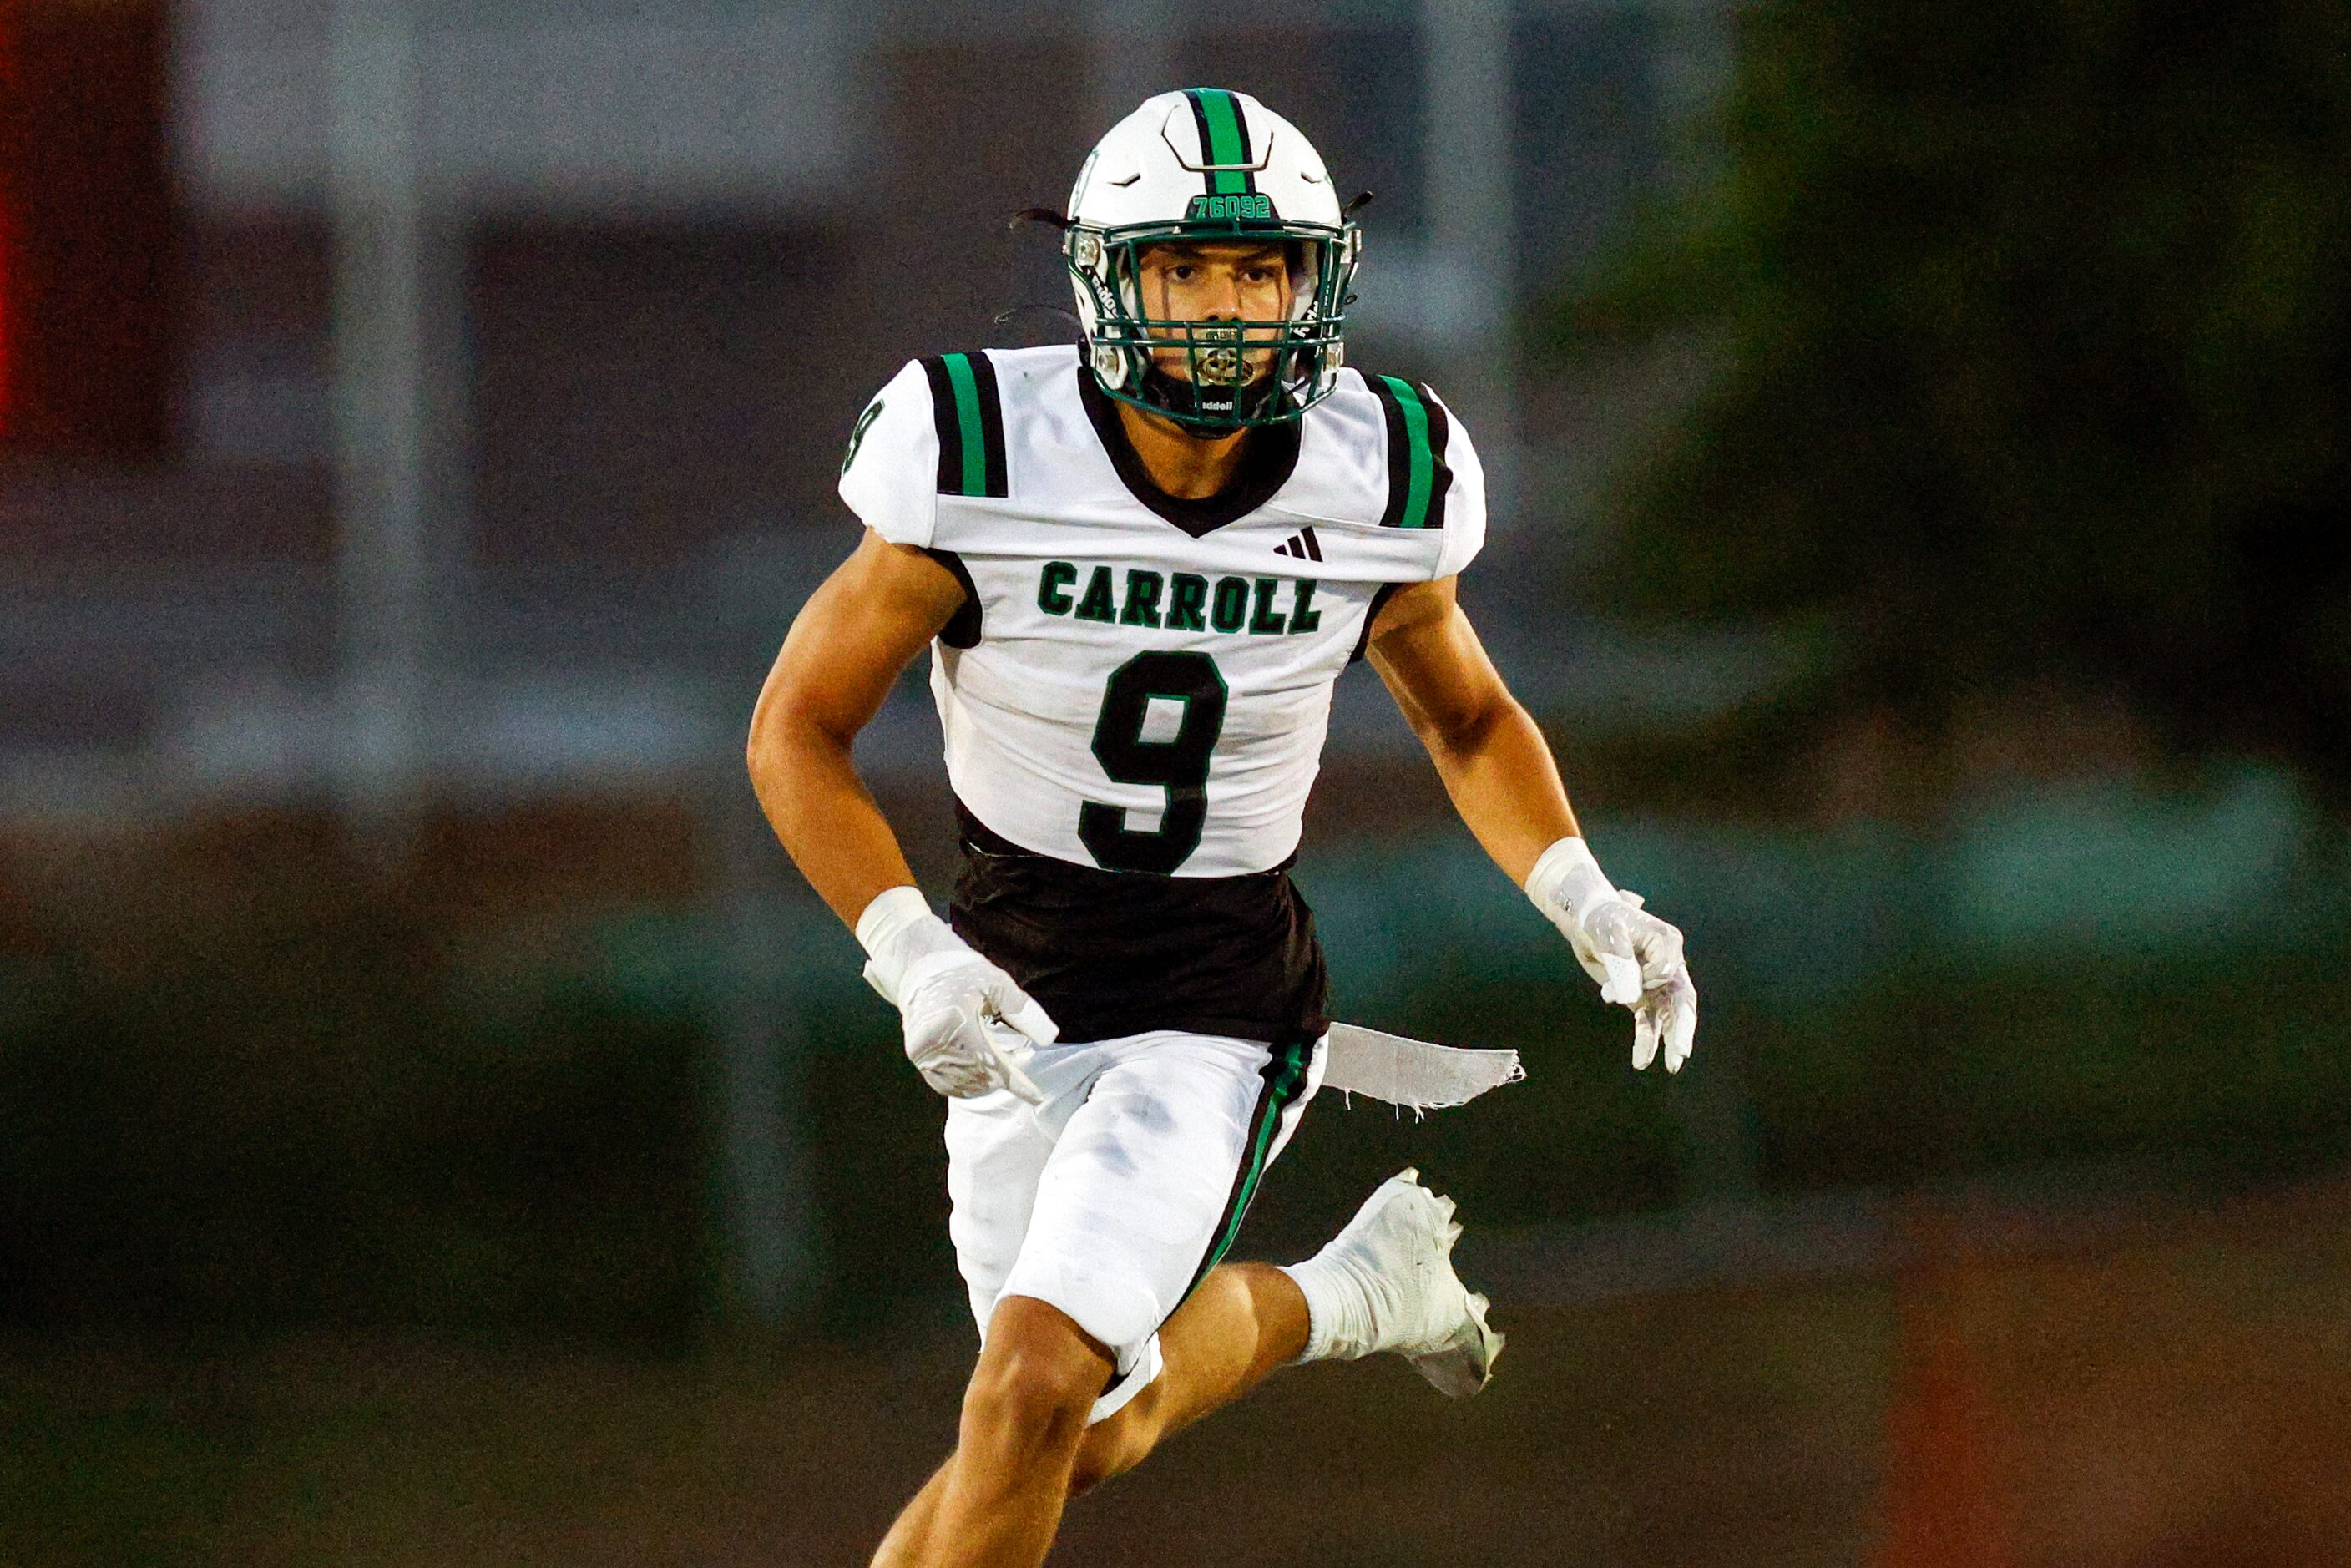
pixel 1338 1308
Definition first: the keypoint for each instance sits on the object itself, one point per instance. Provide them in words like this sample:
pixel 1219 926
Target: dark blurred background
pixel 437 1126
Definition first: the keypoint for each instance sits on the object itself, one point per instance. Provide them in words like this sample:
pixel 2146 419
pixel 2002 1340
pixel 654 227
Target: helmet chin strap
pixel 1179 400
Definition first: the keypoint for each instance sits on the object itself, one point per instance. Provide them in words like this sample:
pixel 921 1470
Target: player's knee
pixel 1033 1400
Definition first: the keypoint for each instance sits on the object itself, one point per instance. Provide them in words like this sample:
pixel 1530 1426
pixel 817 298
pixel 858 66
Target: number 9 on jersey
pixel 1179 765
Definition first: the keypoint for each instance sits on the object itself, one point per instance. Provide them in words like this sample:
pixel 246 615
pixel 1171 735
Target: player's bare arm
pixel 1493 760
pixel 1501 775
pixel 848 645
pixel 852 639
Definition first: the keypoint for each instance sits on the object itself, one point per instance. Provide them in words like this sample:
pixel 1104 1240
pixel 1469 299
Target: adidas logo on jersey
pixel 1301 546
pixel 1179 601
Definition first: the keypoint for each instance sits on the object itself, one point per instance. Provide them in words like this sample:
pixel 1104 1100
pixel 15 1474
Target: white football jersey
pixel 1135 682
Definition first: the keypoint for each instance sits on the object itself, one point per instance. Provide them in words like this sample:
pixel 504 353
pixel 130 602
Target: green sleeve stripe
pixel 967 413
pixel 968 421
pixel 1422 460
pixel 1418 432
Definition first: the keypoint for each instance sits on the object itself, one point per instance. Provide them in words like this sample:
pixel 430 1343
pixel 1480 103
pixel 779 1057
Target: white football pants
pixel 1113 1200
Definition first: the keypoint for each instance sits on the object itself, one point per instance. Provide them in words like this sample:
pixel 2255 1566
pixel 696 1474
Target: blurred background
pixel 436 1127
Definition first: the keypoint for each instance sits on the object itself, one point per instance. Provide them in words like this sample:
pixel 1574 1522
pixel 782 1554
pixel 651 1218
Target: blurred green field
pixel 1634 1433
pixel 2179 1394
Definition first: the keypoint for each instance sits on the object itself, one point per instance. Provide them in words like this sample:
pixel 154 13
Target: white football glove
pixel 959 1010
pixel 1635 956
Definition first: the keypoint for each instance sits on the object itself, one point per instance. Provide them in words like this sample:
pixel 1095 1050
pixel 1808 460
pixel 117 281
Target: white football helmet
pixel 1203 163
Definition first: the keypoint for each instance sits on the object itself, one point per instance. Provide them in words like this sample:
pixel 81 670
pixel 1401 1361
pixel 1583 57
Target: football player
pixel 1139 564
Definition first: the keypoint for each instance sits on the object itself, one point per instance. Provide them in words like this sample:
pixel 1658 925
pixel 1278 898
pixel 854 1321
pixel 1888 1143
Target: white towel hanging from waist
pixel 1416 1074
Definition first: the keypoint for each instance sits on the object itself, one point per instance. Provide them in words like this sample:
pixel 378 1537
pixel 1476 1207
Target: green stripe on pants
pixel 1281 1091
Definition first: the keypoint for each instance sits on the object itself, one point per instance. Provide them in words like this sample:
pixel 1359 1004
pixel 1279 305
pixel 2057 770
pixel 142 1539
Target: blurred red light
pixel 88 229
pixel 7 214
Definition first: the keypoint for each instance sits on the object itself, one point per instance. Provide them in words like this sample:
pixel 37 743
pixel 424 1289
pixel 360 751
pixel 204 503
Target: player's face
pixel 1217 280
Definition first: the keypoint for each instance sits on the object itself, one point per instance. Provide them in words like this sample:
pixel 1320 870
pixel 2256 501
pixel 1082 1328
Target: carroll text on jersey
pixel 1191 602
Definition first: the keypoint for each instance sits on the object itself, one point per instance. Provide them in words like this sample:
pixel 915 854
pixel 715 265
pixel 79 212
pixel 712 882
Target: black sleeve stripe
pixel 1440 429
pixel 992 423
pixel 959 474
pixel 1399 452
pixel 1379 603
pixel 963 628
pixel 944 420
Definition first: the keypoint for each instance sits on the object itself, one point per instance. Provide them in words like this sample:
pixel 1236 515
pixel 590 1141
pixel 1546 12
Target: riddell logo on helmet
pixel 1231 208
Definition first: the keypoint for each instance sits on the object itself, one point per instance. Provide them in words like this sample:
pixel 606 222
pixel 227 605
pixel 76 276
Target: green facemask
pixel 1235 374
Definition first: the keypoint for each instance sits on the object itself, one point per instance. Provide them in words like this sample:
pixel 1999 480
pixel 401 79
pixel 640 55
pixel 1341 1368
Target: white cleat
pixel 1400 1247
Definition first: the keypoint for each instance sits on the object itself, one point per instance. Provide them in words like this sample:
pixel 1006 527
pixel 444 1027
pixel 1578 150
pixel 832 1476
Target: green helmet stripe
pixel 975 443
pixel 1422 464
pixel 1225 139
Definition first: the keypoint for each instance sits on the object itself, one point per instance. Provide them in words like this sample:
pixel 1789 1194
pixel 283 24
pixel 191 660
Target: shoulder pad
pixel 937 429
